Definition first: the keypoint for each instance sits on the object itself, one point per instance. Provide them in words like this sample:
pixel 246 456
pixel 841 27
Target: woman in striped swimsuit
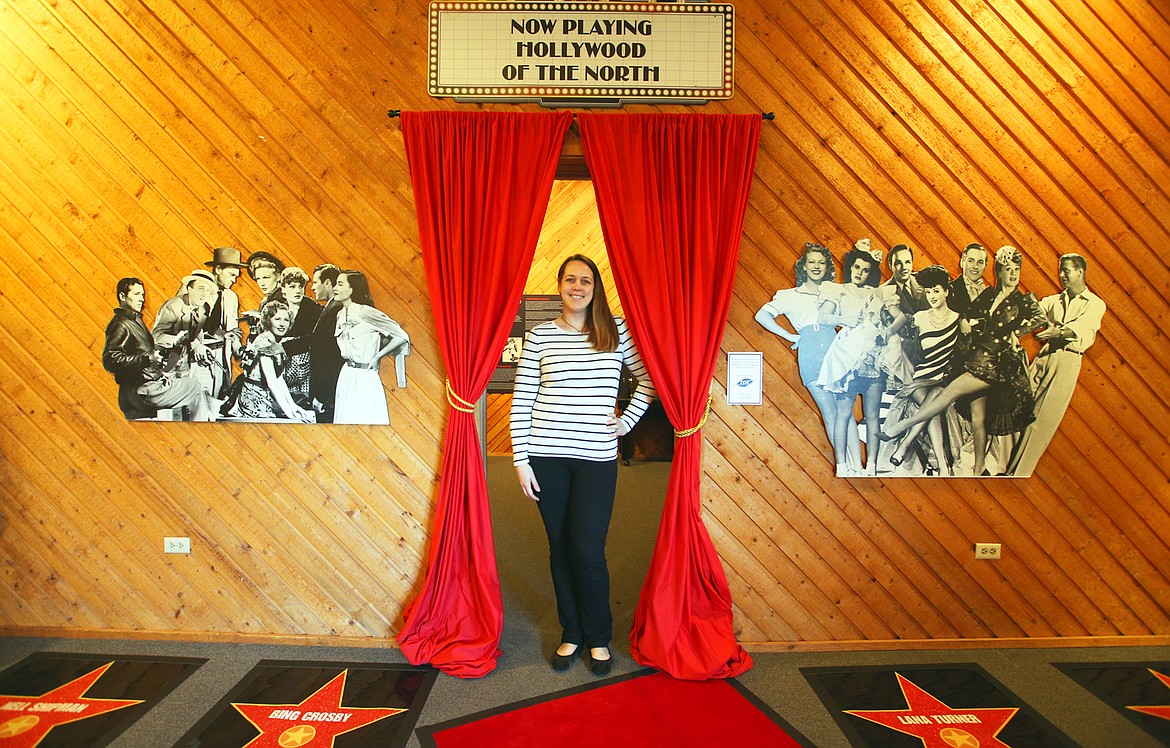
pixel 938 331
pixel 564 443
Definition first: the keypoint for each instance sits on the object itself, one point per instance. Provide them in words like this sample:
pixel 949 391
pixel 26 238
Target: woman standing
pixel 305 313
pixel 938 332
pixel 564 445
pixel 803 305
pixel 991 383
pixel 264 393
pixel 851 367
pixel 364 335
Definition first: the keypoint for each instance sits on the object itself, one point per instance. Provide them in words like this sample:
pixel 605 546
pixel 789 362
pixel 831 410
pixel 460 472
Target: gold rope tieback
pixel 457 402
pixel 695 429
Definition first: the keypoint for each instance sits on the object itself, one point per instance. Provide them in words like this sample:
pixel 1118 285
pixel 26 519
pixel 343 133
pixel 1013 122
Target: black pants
pixel 576 503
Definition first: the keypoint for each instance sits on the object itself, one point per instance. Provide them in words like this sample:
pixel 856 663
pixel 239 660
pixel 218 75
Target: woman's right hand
pixel 528 482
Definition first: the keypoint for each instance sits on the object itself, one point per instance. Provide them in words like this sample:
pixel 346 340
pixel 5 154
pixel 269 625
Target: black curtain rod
pixel 397 112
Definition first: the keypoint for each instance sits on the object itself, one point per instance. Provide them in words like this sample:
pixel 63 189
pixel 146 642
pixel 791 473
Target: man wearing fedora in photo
pixel 178 329
pixel 221 330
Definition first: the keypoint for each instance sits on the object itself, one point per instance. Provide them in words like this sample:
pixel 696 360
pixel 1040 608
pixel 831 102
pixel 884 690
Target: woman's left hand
pixel 617 426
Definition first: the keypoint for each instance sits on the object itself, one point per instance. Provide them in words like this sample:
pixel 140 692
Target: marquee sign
pixel 625 51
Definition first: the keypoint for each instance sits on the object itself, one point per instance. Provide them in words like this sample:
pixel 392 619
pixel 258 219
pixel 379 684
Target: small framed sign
pixel 745 378
pixel 519 51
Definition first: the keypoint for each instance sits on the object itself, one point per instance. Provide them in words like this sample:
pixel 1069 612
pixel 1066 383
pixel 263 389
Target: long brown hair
pixel 599 324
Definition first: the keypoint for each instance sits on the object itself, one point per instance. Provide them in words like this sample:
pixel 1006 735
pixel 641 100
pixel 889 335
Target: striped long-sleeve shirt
pixel 565 392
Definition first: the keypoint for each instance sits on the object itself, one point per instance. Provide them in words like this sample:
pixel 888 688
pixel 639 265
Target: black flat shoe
pixel 561 662
pixel 895 460
pixel 600 668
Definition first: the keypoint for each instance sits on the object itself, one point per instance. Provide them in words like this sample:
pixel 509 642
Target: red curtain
pixel 672 191
pixel 481 187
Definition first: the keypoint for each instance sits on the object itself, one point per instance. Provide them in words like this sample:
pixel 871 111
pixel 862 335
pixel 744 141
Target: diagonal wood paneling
pixel 138 134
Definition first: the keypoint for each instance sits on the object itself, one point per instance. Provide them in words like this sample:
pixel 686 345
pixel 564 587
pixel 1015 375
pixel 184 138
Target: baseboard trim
pixel 308 640
pixel 1047 642
pixel 369 642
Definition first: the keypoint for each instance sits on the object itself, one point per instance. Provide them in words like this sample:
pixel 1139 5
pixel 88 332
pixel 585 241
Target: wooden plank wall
pixel 137 134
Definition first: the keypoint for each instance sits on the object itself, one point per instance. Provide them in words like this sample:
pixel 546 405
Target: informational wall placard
pixel 745 378
pixel 625 51
pixel 534 309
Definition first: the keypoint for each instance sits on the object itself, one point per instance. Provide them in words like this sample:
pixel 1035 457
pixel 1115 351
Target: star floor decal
pixel 1155 711
pixel 313 723
pixel 929 706
pixel 62 699
pixel 1139 690
pixel 307 704
pixel 26 720
pixel 939 726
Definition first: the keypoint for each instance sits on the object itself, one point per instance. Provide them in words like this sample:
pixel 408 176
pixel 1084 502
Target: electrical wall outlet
pixel 987 551
pixel 176 545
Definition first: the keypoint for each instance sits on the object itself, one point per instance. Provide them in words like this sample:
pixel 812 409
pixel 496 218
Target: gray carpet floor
pixel 531 632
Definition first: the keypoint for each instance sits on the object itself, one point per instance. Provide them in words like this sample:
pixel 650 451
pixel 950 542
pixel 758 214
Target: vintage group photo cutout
pixel 308 350
pixel 933 363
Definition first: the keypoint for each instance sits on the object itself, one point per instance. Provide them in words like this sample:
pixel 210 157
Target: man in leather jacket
pixel 131 355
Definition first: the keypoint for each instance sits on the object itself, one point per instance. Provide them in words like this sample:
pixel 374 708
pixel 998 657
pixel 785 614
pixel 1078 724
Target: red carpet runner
pixel 651 711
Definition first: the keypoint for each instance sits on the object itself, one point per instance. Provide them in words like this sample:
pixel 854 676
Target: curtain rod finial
pixel 394 113
pixel 769 116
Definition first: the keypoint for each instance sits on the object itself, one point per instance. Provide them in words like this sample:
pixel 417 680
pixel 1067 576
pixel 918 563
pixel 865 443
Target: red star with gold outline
pixel 313 723
pixel 939 726
pixel 26 720
pixel 1155 711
